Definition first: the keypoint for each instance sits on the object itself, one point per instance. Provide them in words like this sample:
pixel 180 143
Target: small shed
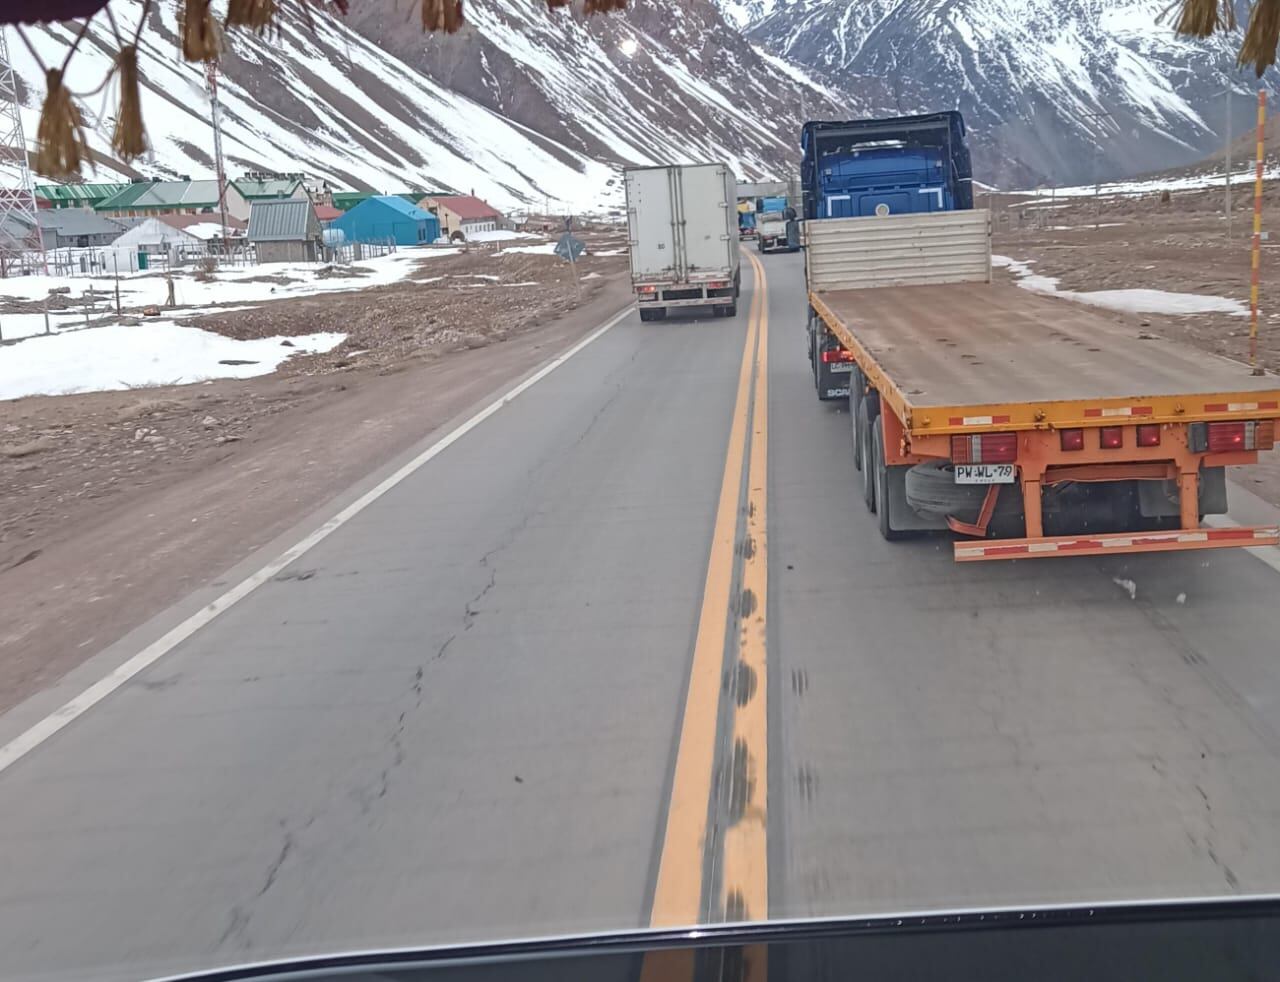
pixel 388 217
pixel 285 231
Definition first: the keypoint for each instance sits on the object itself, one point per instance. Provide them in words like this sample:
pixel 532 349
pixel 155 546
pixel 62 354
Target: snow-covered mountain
pixel 1053 90
pixel 523 106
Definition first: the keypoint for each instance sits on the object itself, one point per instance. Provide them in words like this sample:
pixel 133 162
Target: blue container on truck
pixel 864 167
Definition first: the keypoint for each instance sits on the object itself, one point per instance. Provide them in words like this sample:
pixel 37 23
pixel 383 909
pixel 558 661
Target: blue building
pixel 388 216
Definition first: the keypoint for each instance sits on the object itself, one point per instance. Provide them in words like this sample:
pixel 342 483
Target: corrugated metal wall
pixel 898 250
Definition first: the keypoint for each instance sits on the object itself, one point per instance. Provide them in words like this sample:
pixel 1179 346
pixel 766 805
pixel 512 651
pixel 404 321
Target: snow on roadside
pixel 545 249
pixel 499 235
pixel 234 284
pixel 1136 301
pixel 154 353
pixel 1191 182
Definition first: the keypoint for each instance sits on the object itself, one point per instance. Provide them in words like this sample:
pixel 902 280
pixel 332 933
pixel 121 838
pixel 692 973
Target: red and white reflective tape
pixel 1192 538
pixel 1238 407
pixel 977 420
pixel 1120 411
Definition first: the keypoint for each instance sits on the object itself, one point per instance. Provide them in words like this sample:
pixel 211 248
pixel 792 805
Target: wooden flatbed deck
pixel 961 350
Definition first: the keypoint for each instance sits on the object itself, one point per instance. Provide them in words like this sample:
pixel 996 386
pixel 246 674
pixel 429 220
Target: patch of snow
pixel 499 235
pixel 545 249
pixel 1132 301
pixel 794 72
pixel 152 353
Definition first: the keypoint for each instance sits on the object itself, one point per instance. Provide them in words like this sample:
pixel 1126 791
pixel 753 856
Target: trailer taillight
pixel 1149 435
pixel 646 288
pixel 1071 439
pixel 837 355
pixel 985 448
pixel 1111 437
pixel 1243 435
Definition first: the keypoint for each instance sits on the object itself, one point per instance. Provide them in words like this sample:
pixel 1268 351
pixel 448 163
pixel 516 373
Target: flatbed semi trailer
pixel 1030 425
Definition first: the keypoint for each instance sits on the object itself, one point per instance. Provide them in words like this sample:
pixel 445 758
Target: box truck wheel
pixel 652 313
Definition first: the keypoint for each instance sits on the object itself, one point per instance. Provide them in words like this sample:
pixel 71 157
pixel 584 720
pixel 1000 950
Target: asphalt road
pixel 466 713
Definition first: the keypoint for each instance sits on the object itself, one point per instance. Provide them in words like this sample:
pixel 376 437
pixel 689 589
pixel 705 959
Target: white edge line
pixel 37 734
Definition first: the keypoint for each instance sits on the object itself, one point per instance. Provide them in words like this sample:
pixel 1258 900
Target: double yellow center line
pixel 714 861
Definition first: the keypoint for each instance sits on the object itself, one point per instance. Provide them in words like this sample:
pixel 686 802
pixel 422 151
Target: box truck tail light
pixel 985 448
pixel 1244 435
pixel 646 288
pixel 1071 439
pixel 836 355
pixel 1149 435
pixel 1111 437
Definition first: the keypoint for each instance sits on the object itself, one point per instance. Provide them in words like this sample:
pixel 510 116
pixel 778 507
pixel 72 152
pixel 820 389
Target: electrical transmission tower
pixel 21 245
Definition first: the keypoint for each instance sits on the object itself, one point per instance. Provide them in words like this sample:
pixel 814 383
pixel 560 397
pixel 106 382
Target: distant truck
pixel 1030 425
pixel 776 226
pixel 682 222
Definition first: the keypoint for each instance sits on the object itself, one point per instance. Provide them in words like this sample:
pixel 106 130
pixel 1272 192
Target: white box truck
pixel 682 222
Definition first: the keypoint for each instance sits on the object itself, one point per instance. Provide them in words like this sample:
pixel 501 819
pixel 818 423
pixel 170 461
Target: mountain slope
pixel 523 106
pixel 1031 77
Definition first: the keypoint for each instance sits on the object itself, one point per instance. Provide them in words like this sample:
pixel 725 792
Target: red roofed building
pixel 461 214
pixel 327 213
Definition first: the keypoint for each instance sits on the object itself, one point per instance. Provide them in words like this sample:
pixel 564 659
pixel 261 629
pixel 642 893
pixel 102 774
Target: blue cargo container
pixel 386 217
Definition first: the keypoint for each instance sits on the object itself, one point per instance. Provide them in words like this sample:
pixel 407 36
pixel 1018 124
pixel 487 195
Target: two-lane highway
pixel 627 648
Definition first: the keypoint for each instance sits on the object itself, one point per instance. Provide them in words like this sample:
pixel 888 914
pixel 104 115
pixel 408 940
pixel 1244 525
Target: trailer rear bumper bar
pixel 1118 542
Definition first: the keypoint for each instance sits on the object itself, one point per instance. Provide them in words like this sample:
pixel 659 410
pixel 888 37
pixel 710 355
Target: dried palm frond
pixel 441 15
pixel 257 15
pixel 129 139
pixel 1200 18
pixel 1261 36
pixel 201 36
pixel 61 146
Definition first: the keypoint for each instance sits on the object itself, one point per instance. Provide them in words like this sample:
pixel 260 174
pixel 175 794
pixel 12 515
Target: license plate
pixel 841 366
pixel 984 473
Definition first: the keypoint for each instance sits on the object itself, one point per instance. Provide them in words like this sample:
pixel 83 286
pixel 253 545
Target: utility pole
pixel 1256 260
pixel 212 76
pixel 17 206
pixel 1097 155
pixel 1227 191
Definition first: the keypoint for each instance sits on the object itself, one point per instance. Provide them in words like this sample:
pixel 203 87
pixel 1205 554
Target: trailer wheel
pixel 887 531
pixel 855 396
pixel 865 463
pixel 652 313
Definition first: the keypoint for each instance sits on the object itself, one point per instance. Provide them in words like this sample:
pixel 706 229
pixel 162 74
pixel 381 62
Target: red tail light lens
pixel 1149 435
pixel 838 355
pixel 1072 439
pixel 985 448
pixel 1111 437
pixel 1225 437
